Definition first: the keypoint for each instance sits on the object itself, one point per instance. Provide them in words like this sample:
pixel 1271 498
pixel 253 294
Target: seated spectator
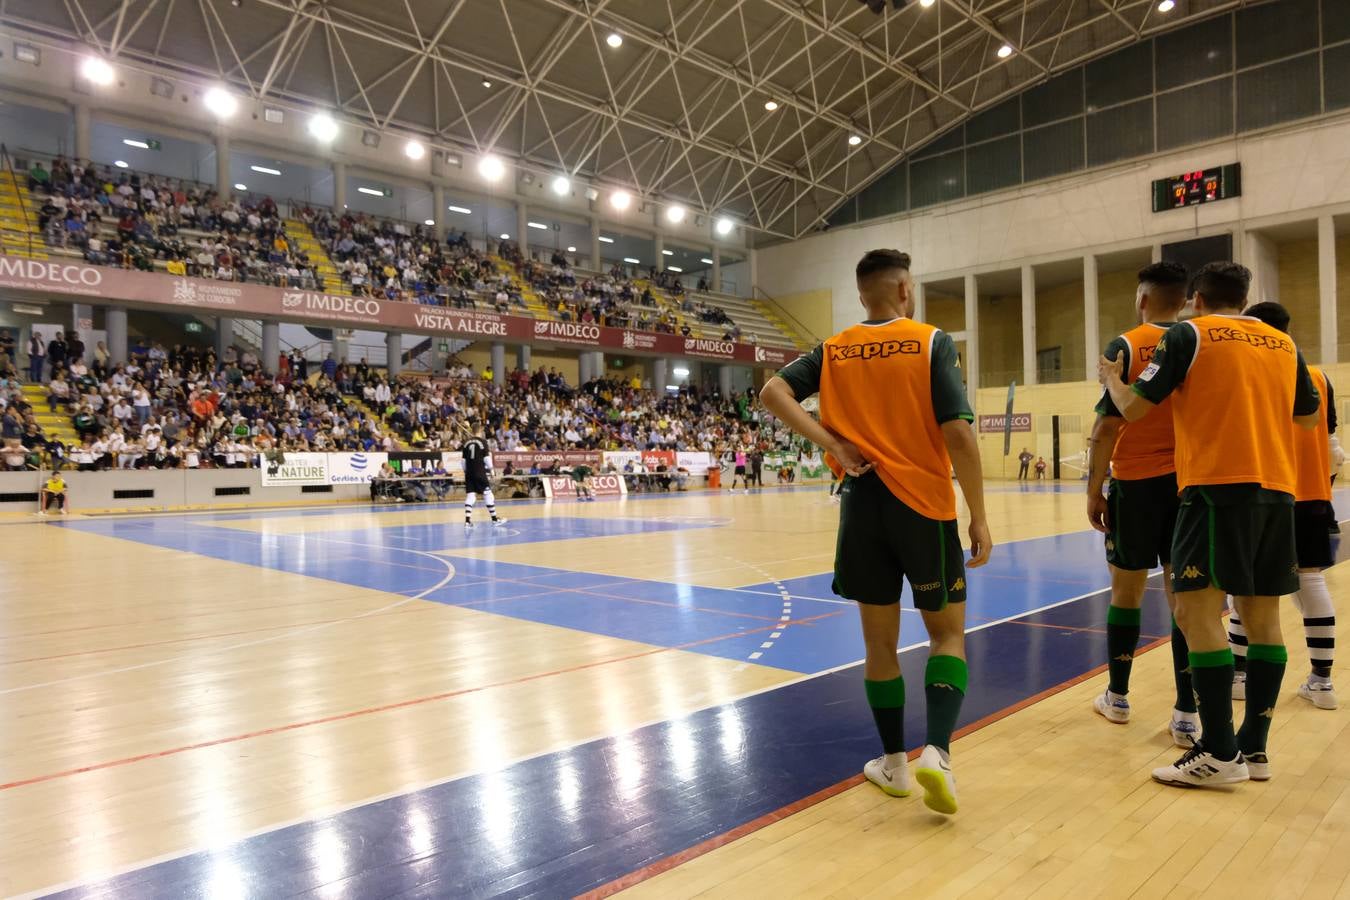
pixel 53 491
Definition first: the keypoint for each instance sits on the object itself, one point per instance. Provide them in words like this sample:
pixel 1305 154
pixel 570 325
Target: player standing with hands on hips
pixel 894 421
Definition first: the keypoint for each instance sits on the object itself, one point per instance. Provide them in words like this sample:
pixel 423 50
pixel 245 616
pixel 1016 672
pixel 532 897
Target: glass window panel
pixel 993 165
pixel 938 179
pixel 1120 133
pixel 886 196
pixel 1194 53
pixel 1277 93
pixel 1124 75
pixel 1052 150
pixel 994 122
pixel 1336 66
pixel 1197 113
pixel 1276 30
pixel 1058 98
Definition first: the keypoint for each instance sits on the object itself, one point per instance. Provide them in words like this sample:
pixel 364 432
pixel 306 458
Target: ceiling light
pixel 373 192
pixel 506 237
pixel 265 170
pixel 220 102
pixel 1005 51
pixel 491 168
pixel 240 186
pixel 605 240
pixel 667 252
pixel 97 70
pixel 27 53
pixel 675 214
pixel 429 222
pixel 633 260
pixel 561 186
pixel 614 40
pixel 854 140
pixel 1166 5
pixel 680 372
pixel 621 200
pixel 120 163
pixel 322 127
pixel 706 261
pixel 162 88
pixel 926 3
pixel 370 138
pixel 414 150
pixel 273 115
pixel 486 83
pixel 770 105
pixel 540 225
pixel 674 269
pixel 132 142
pixel 462 210
pixel 571 249
pixel 725 226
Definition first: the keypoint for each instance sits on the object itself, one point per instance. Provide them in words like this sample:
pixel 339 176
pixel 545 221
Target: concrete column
pixel 342 344
pixel 972 360
pixel 1326 288
pixel 271 346
pixel 724 381
pixel 499 363
pixel 660 375
pixel 523 357
pixel 83 130
pixel 393 353
pixel 523 228
pixel 115 321
pixel 583 368
pixel 660 252
pixel 1092 342
pixel 920 302
pixel 82 323
pixel 598 364
pixel 1156 254
pixel 439 210
pixel 339 187
pixel 1262 256
pixel 596 264
pixel 1028 325
pixel 224 186
pixel 717 268
pixel 749 289
pixel 224 336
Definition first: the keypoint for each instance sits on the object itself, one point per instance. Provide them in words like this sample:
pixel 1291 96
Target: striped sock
pixel 1319 622
pixel 1237 640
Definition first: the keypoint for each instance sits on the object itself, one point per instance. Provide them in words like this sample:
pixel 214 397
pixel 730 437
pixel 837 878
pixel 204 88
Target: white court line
pixel 338 809
pixel 285 635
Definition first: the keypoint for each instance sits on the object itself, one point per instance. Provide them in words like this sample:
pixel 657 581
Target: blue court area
pixel 812 632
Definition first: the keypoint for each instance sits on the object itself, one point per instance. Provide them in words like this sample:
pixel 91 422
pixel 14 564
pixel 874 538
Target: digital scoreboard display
pixel 1194 188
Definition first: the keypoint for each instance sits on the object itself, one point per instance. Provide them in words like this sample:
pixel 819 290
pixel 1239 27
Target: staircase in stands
pixel 776 320
pixel 533 305
pixel 302 238
pixel 54 424
pixel 19 234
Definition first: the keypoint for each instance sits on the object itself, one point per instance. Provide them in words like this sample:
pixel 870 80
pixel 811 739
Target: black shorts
pixel 1312 533
pixel 1244 549
pixel 882 542
pixel 740 470
pixel 1143 514
pixel 476 484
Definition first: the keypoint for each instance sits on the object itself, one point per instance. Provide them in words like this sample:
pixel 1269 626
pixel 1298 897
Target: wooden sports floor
pixel 657 694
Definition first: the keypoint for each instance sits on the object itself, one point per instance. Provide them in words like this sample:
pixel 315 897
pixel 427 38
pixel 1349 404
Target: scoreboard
pixel 1194 188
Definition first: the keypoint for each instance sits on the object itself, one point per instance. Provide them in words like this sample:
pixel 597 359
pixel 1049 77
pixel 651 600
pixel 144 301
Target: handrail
pixel 115 171
pixel 21 191
pixel 778 308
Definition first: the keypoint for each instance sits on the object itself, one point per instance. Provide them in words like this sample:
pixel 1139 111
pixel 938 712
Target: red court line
pixel 389 707
pixel 678 859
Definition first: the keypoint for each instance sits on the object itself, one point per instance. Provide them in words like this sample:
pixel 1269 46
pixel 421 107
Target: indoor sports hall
pixel 406 488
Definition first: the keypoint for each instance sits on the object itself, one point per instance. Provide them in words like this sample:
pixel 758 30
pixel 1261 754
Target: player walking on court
pixel 1313 517
pixel 1139 511
pixel 1233 380
pixel 894 420
pixel 476 478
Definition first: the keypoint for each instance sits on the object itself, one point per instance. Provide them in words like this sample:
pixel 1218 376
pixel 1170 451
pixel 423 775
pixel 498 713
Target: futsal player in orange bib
pixel 894 421
pixel 1236 384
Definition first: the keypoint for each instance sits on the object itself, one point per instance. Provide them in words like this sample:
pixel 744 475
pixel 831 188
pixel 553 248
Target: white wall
pixel 174 488
pixel 1288 174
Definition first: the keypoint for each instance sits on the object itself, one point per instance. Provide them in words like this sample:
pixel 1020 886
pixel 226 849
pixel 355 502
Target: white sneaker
pixel 1258 766
pixel 1201 769
pixel 498 523
pixel 894 782
pixel 42 512
pixel 1184 728
pixel 468 526
pixel 934 775
pixel 1319 693
pixel 1113 706
pixel 1239 685
pixel 63 512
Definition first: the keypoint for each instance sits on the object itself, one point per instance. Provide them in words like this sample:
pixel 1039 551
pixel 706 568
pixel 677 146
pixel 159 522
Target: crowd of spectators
pixel 148 222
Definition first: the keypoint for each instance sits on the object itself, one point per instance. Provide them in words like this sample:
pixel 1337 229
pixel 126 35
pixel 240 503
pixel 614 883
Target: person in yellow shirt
pixel 53 489
pixel 175 267
pixel 894 421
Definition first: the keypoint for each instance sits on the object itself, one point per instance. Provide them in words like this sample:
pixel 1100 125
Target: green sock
pixel 1212 674
pixel 1181 671
pixel 944 686
pixel 887 699
pixel 1122 639
pixel 1265 671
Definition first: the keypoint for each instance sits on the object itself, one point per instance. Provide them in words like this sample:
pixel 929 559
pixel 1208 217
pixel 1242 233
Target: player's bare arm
pixel 1110 373
pixel 779 399
pixel 964 451
pixel 1101 447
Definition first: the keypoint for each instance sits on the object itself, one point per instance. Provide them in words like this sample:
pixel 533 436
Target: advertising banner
pixel 619 459
pixel 524 459
pixel 697 463
pixel 103 285
pixel 562 487
pixel 998 424
pixel 655 459
pixel 354 468
pixel 297 470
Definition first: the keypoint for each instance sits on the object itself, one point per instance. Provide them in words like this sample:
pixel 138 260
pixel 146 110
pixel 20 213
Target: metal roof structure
pixel 676 113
